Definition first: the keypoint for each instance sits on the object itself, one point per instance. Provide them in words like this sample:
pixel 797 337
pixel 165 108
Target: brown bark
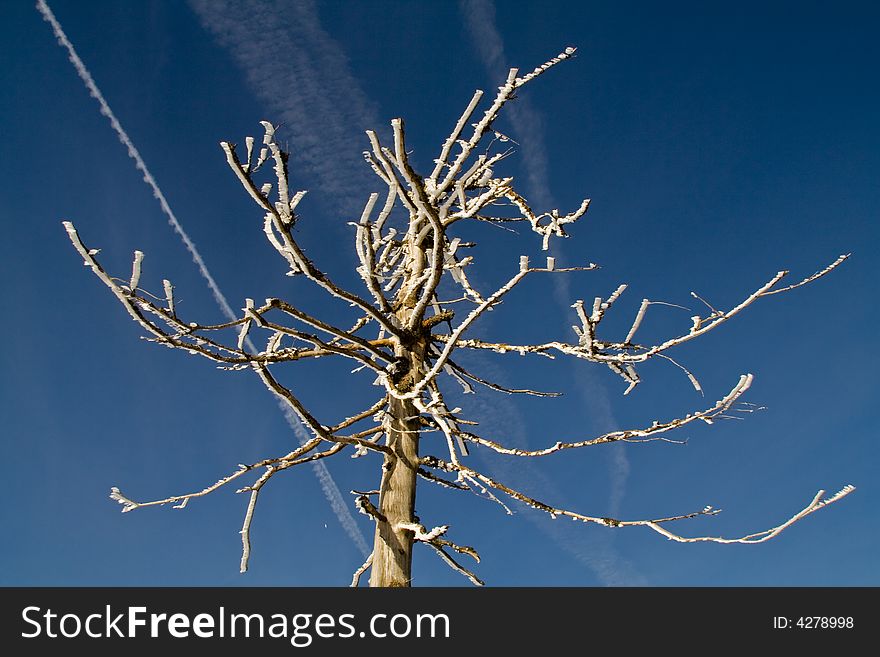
pixel 392 548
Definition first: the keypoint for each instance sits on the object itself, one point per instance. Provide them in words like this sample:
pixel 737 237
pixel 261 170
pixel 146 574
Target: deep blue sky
pixel 719 144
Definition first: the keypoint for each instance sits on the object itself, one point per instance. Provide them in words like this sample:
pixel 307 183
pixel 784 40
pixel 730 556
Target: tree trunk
pixel 392 546
pixel 392 549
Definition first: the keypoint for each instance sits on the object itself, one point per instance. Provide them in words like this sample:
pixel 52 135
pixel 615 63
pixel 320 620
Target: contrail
pixel 328 485
pixel 305 82
pixel 133 153
pixel 480 21
pixel 479 18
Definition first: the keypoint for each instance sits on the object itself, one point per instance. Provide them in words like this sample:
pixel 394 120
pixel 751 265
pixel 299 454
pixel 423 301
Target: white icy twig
pixel 246 530
pixel 657 524
pixel 629 435
pixel 136 270
pixel 759 537
pixel 356 577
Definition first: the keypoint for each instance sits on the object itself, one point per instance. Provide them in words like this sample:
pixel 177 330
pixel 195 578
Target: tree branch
pixel 290 246
pixel 629 435
pixel 356 578
pixel 654 524
pixel 621 356
pixel 453 339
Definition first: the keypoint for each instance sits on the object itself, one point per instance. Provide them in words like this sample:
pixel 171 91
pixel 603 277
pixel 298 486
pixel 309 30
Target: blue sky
pixel 718 145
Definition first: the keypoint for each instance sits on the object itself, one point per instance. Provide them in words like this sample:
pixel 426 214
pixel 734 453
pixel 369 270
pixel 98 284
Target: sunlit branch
pixel 453 339
pixel 420 198
pixel 759 537
pixel 440 481
pixel 356 577
pixel 494 386
pixel 283 224
pixel 328 328
pixel 453 136
pixel 434 539
pixel 811 278
pixel 630 435
pixel 619 356
pixel 246 530
pixel 182 500
pixel 367 255
pixel 457 567
pixel 325 347
pixel 372 411
pixel 655 524
pixel 308 419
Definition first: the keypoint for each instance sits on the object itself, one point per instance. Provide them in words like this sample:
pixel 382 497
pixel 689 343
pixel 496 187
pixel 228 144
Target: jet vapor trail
pixel 479 19
pixel 328 485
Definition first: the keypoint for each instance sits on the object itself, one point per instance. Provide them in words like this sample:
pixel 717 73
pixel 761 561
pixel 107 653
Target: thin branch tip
pixel 127 504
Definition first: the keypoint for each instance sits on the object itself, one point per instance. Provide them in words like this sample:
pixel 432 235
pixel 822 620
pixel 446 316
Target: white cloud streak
pixel 328 485
pixel 302 77
pixel 479 18
pixel 133 153
pixel 527 122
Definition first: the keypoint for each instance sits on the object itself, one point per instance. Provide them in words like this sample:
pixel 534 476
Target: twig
pixel 356 578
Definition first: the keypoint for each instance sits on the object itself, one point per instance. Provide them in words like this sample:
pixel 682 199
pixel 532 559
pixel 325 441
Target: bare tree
pixel 406 246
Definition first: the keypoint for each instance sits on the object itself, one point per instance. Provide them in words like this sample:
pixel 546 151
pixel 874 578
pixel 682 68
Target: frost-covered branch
pixel 181 501
pixel 192 337
pixel 420 199
pixel 457 567
pixel 282 221
pixel 453 339
pixel 482 127
pixel 655 524
pixel 308 420
pixel 435 539
pixel 645 434
pixel 356 577
pixel 620 357
pixel 759 537
pixel 457 369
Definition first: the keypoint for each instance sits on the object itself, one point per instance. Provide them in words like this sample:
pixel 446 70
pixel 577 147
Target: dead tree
pixel 408 335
